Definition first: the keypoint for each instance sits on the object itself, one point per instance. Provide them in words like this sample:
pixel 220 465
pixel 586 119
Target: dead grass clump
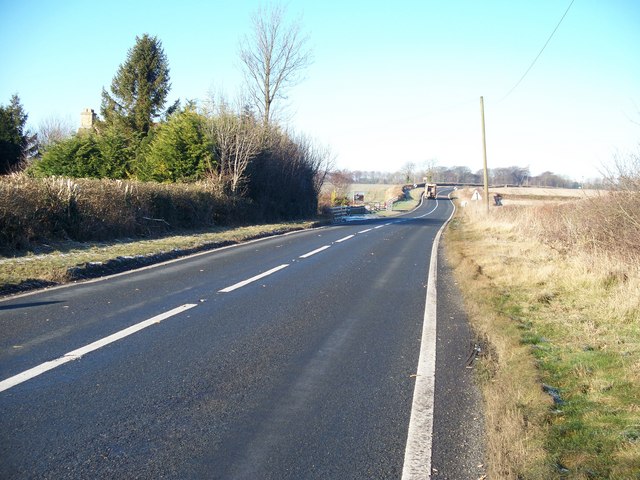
pixel 394 193
pixel 32 209
pixel 607 224
pixel 52 209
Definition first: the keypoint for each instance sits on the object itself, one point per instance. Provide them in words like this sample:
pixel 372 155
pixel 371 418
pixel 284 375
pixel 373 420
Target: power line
pixel 539 53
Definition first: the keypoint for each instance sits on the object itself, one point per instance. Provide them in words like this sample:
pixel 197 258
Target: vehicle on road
pixel 430 190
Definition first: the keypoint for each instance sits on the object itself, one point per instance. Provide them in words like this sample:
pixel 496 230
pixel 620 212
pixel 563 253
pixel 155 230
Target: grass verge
pixel 62 262
pixel 561 374
pixel 411 201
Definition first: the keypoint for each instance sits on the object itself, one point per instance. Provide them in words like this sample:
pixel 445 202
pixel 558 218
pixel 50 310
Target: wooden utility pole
pixel 484 153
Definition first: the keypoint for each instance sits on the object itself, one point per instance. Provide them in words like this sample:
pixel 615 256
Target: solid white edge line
pixel 78 353
pixel 431 211
pixel 345 238
pixel 252 279
pixel 313 252
pixel 417 455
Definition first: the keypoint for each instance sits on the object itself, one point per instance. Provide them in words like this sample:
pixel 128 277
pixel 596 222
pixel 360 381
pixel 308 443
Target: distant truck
pixel 430 190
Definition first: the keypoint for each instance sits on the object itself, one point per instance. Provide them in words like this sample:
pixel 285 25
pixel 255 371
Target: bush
pixel 86 155
pixel 283 178
pixel 608 223
pixel 178 151
pixel 35 210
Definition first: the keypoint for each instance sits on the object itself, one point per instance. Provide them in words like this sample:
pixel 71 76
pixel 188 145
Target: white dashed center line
pixel 252 279
pixel 345 238
pixel 313 252
pixel 80 352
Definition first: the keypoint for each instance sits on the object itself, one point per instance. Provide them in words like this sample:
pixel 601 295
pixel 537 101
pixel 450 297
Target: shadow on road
pixel 27 305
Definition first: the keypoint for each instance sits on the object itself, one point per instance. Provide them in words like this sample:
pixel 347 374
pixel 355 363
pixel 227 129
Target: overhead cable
pixel 539 53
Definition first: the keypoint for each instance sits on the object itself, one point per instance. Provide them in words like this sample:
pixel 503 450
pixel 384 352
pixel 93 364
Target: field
pixel 565 193
pixel 375 195
pixel 552 287
pixel 372 192
pixel 532 196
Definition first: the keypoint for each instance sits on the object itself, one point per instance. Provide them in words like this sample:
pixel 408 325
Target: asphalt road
pixel 286 358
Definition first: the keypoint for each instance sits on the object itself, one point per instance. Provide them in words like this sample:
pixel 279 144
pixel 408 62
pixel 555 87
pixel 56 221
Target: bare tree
pixel 520 175
pixel 312 162
pixel 237 139
pixel 320 159
pixel 625 175
pixel 54 129
pixel 341 181
pixel 408 170
pixel 273 58
pixel 428 169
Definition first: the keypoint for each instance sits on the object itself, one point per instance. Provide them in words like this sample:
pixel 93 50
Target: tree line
pixel 410 173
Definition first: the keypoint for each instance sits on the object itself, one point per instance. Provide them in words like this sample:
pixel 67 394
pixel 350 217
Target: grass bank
pixel 409 200
pixel 552 288
pixel 56 263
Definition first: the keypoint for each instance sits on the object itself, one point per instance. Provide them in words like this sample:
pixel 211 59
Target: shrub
pixel 86 155
pixel 179 150
pixel 608 223
pixel 45 209
pixel 78 156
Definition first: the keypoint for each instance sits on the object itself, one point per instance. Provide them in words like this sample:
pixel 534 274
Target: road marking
pixel 365 231
pixel 252 279
pixel 80 352
pixel 430 211
pixel 345 238
pixel 313 252
pixel 379 226
pixel 213 251
pixel 417 455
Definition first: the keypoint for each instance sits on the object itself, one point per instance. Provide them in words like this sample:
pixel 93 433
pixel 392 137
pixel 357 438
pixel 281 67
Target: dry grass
pixel 409 201
pixel 372 192
pixel 559 307
pixel 35 210
pixel 65 260
pixel 566 193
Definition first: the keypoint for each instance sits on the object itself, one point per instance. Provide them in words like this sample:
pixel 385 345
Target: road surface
pixel 286 358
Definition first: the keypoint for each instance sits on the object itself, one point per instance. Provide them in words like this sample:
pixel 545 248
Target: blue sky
pixel 392 82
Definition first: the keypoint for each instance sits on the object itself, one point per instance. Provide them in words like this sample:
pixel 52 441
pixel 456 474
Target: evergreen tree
pixel 115 154
pixel 77 157
pixel 139 89
pixel 86 155
pixel 180 149
pixel 16 144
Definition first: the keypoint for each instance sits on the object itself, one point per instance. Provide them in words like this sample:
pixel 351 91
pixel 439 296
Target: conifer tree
pixel 180 149
pixel 16 143
pixel 139 89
